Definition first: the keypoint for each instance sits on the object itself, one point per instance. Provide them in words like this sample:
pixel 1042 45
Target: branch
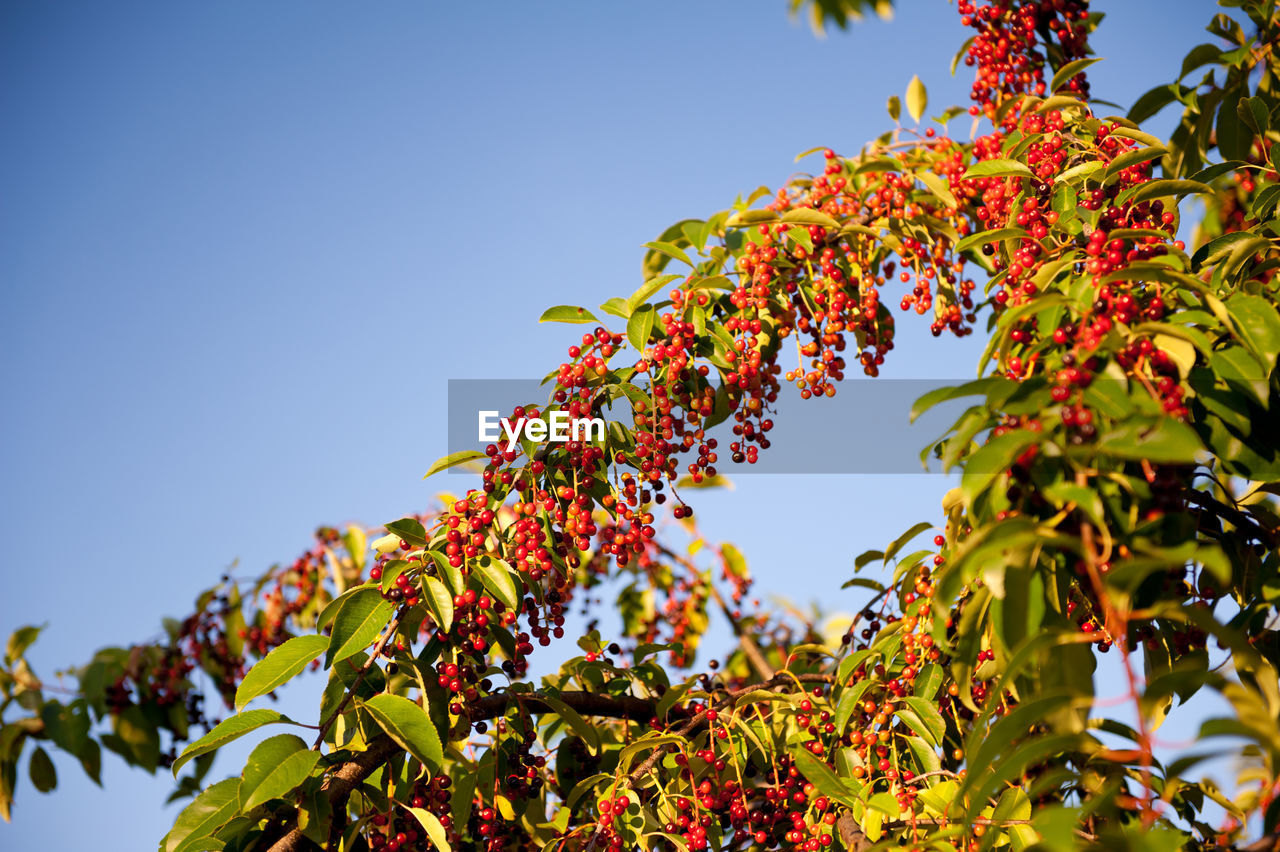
pixel 1243 521
pixel 1268 843
pixel 351 691
pixel 587 703
pixel 349 775
pixel 692 726
pixel 745 640
pixel 339 786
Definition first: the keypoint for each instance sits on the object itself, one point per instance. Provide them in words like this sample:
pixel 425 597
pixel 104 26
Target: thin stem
pixel 351 690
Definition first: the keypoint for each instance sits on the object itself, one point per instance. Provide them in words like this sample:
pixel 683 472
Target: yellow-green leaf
pixel 227 730
pixel 408 724
pixel 276 766
pixel 495 575
pixel 358 623
pixel 279 667
pixel 917 99
pixel 431 825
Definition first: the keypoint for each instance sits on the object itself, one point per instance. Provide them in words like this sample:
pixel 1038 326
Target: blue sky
pixel 243 246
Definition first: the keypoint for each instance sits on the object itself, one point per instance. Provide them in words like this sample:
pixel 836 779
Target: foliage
pixel 1118 459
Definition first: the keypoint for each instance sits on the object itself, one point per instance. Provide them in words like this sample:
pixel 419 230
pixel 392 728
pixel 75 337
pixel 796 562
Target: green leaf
pixel 897 544
pixel 1132 158
pixel 279 667
pixel 1259 325
pixel 1063 493
pixel 19 641
pixel 358 624
pixel 734 562
pixel 744 218
pixel 917 99
pixel 409 725
pixel 390 571
pixel 276 766
pixel 357 543
pixel 809 216
pixel 1160 188
pixel 1070 70
pixel 205 815
pixel 1165 440
pixel 977 387
pixel 43 775
pixel 1225 245
pixel 670 250
pixel 998 235
pixel 315 815
pixel 656 260
pixel 431 825
pixel 894 106
pixel 574 720
pixel 567 313
pixel 464 789
pixel 230 729
pixel 1241 372
pixel 1150 103
pixel 139 736
pixel 452 576
pixel 8 779
pixel 1201 54
pixel 496 577
pixel 928 681
pixel 927 759
pixel 439 601
pixel 1253 112
pixel 1233 135
pixel 452 460
pixel 410 530
pixel 647 290
pixel 868 166
pixel 993 458
pixel 849 698
pixel 1217 170
pixel 922 716
pixel 646 743
pixel 617 306
pixel 640 326
pixel 998 168
pixel 821 776
pixel 938 187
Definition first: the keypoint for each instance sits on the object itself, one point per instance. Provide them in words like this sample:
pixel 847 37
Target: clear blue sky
pixel 244 245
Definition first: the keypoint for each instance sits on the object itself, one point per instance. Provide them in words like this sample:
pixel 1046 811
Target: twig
pixel 351 691
pixel 745 640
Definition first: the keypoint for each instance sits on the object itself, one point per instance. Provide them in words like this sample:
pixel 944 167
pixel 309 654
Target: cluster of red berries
pixel 399 831
pixel 1006 47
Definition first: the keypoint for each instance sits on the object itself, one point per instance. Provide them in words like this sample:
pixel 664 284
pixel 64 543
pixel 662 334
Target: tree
pixel 1118 461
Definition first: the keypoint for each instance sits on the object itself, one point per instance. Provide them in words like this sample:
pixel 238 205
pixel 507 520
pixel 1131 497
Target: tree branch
pixel 745 640
pixel 339 786
pixel 587 703
pixel 1242 521
pixel 349 775
pixel 364 669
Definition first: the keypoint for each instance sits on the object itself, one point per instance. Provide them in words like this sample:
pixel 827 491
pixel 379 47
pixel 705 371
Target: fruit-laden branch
pixel 586 703
pixel 382 748
pixel 748 644
pixel 339 786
